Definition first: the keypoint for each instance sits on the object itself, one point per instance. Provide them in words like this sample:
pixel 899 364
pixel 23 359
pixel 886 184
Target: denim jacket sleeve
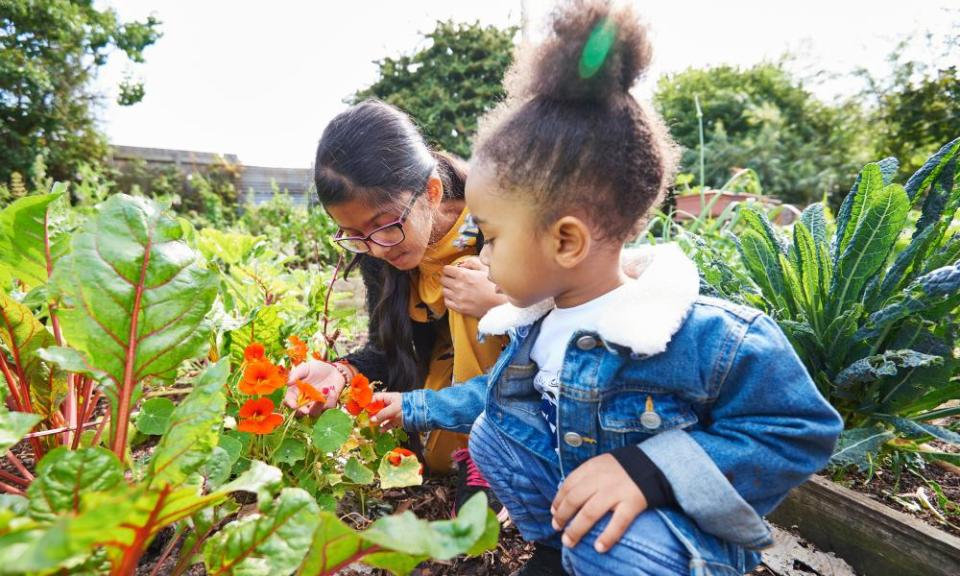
pixel 767 432
pixel 453 408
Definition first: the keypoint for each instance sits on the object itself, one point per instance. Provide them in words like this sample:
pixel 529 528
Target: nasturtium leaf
pixel 194 429
pixel 233 446
pixel 326 502
pixel 356 472
pixel 290 451
pixel 406 473
pixel 331 430
pixel 14 426
pixel 64 475
pixel 154 416
pixel 273 542
pixel 217 468
pixel 385 443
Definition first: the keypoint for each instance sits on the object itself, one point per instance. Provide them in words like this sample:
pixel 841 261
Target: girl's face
pixel 520 259
pixel 360 217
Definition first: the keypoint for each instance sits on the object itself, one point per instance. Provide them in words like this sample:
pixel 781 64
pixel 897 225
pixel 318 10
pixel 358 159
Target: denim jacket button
pixel 573 439
pixel 586 343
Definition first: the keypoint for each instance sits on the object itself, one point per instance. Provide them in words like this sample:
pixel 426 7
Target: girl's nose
pixel 485 255
pixel 378 251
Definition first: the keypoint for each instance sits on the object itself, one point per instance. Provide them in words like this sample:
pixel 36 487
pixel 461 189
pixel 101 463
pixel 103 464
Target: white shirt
pixel 548 351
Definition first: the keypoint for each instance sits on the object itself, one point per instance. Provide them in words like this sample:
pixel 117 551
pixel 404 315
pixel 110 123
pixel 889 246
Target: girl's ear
pixel 571 241
pixel 434 190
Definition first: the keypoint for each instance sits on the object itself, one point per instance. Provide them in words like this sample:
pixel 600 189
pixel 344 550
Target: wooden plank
pixel 874 539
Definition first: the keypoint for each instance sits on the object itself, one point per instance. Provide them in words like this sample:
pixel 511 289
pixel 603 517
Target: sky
pixel 261 79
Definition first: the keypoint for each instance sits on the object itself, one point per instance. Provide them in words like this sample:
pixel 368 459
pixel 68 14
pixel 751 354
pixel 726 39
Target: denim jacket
pixel 711 391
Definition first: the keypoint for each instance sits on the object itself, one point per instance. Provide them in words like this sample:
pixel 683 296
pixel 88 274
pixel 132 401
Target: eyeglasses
pixel 386 236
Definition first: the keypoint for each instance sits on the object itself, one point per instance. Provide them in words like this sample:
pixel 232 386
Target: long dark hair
pixel 373 151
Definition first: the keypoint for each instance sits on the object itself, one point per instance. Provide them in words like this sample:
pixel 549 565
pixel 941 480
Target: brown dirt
pixel 901 494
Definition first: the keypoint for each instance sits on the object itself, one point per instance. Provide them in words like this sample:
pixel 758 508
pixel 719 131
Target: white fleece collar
pixel 644 316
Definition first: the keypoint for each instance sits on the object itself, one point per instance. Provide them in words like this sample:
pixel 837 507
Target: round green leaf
pixel 232 445
pixel 406 473
pixel 290 452
pixel 357 473
pixel 331 430
pixel 385 443
pixel 154 416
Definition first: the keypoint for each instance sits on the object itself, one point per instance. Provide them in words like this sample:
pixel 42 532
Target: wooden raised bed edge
pixel 874 539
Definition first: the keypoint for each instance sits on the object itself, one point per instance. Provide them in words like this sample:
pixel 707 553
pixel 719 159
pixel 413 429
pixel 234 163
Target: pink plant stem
pixel 11 383
pixel 166 552
pixel 19 465
pixel 103 423
pixel 330 340
pixel 88 407
pixel 11 490
pixel 70 406
pixel 4 475
pixel 43 433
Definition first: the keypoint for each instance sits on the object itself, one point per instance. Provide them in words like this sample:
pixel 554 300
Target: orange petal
pixel 253 352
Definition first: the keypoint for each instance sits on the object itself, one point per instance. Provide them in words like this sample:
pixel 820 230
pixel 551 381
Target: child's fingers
pixel 569 502
pixel 623 516
pixel 473 264
pixel 450 274
pixel 592 511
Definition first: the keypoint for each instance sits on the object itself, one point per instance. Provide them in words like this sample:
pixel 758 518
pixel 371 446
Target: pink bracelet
pixel 344 371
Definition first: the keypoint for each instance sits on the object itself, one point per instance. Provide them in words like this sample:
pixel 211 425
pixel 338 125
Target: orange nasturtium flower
pixel 374 407
pixel 297 352
pixel 257 416
pixel 261 377
pixel 360 394
pixel 308 394
pixel 253 352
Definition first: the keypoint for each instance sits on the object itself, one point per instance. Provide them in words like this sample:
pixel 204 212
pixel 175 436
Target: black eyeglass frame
pixel 344 242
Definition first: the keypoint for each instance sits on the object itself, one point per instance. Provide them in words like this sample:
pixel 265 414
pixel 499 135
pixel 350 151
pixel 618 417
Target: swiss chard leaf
pixel 132 299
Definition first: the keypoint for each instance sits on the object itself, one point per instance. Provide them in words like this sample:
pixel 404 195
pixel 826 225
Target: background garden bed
pixel 872 537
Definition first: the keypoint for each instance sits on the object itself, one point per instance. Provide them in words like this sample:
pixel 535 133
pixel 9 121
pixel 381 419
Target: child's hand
pixel 391 415
pixel 467 289
pixel 598 486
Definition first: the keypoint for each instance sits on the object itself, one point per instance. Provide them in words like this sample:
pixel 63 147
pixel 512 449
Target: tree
pixel 448 85
pixel 917 104
pixel 763 118
pixel 50 51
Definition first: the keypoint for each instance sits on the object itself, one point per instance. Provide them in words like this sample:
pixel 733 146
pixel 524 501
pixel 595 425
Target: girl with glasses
pixel 401 212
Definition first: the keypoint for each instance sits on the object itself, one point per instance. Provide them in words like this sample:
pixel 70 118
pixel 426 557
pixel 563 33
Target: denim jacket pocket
pixel 515 389
pixel 626 411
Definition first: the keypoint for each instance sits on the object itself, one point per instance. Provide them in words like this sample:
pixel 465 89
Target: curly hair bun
pixel 596 52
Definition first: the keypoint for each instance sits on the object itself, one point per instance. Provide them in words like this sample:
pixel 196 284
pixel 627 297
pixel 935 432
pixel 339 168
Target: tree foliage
pixel 448 85
pixel 50 51
pixel 765 119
